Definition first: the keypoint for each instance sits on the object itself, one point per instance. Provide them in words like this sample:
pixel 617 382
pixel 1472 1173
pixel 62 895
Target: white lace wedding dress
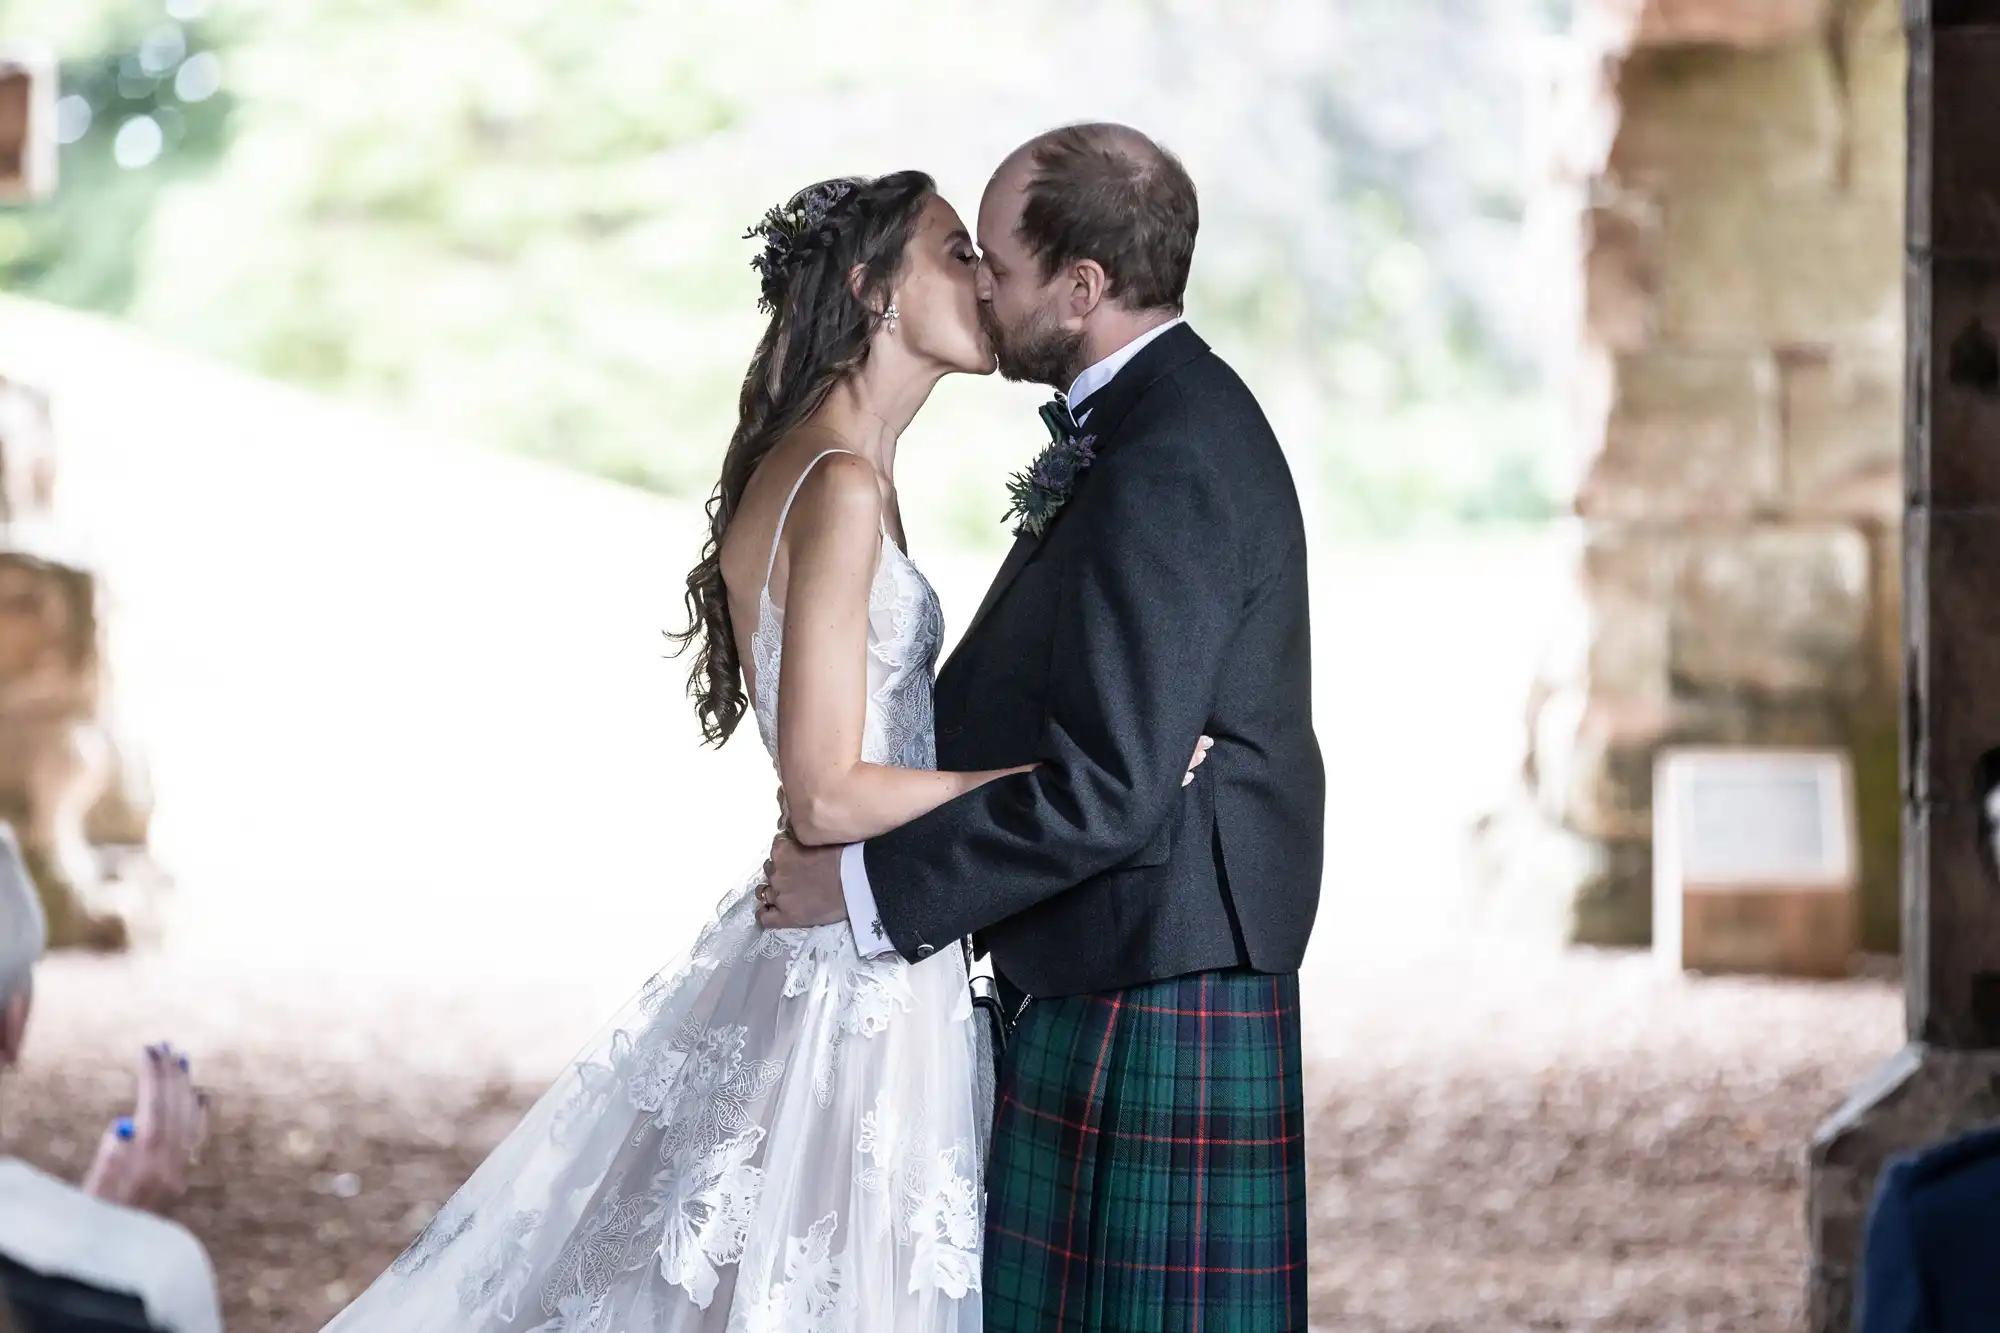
pixel 777 1136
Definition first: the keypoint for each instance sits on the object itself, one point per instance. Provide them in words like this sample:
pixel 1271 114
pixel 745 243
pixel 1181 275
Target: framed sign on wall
pixel 1755 861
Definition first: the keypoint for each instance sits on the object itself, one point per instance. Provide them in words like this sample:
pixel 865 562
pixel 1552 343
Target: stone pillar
pixel 1733 173
pixel 1947 1079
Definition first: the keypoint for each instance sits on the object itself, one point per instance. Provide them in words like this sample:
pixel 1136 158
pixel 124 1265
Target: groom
pixel 1147 1170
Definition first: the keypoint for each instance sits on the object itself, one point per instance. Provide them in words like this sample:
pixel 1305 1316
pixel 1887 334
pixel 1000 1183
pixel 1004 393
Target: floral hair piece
pixel 790 233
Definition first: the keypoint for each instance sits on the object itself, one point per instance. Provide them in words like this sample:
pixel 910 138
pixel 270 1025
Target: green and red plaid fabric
pixel 1148 1165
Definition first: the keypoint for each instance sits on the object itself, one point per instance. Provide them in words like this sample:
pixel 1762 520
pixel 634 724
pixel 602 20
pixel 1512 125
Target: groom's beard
pixel 1040 351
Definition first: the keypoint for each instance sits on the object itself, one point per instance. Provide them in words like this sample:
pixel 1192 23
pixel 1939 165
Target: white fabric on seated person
pixel 59 1231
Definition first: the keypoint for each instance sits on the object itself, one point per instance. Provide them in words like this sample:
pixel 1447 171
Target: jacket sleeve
pixel 1144 615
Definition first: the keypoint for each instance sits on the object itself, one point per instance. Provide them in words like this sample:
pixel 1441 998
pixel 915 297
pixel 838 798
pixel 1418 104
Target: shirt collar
pixel 1101 374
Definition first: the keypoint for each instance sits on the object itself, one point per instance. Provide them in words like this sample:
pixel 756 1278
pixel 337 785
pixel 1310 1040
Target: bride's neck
pixel 870 411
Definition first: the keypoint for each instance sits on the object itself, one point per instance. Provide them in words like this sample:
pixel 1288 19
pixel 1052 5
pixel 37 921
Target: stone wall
pixel 1731 176
pixel 71 784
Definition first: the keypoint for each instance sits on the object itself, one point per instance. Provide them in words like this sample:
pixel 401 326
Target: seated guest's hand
pixel 143 1159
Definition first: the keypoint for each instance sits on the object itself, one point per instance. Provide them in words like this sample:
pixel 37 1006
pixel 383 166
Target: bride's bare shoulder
pixel 841 491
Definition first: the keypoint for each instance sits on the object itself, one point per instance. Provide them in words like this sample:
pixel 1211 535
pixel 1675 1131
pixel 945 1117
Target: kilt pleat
pixel 1148 1167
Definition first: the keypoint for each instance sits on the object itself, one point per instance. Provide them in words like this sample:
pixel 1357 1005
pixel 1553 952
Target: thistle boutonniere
pixel 1039 491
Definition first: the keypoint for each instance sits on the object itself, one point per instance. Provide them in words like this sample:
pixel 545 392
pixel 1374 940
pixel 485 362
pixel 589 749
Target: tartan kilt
pixel 1148 1165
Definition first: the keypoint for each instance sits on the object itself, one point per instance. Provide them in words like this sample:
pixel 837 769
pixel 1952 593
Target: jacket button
pixel 924 951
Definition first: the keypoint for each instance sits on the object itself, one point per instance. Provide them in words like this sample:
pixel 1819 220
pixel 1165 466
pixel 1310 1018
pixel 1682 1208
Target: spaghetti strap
pixel 771 562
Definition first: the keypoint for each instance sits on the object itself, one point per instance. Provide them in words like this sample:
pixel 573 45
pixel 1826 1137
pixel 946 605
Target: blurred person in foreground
pixel 96 1257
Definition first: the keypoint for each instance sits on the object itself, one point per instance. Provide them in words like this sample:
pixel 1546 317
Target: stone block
pixel 1626 650
pixel 1965 163
pixel 1875 54
pixel 1798 268
pixel 1685 434
pixel 1843 447
pixel 1626 576
pixel 1740 23
pixel 1621 270
pixel 1696 119
pixel 1629 562
pixel 1773 612
pixel 1953 461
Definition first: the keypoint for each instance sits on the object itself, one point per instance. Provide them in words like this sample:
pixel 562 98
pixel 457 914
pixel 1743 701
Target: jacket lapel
pixel 1017 559
pixel 1105 410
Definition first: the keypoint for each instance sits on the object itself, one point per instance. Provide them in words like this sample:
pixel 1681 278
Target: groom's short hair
pixel 1110 194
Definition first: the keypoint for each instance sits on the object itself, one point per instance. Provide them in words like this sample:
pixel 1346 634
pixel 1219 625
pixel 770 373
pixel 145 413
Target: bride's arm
pixel 834 796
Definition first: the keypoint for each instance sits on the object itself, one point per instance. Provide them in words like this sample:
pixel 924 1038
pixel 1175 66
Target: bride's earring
pixel 891 315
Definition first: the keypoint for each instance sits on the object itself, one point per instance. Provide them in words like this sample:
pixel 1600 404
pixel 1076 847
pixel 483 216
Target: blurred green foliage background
pixel 519 221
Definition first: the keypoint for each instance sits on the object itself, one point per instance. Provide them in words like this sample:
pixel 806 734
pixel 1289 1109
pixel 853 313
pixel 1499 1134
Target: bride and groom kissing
pixel 1112 788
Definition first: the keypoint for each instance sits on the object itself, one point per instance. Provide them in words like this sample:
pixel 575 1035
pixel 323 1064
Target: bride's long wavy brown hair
pixel 821 323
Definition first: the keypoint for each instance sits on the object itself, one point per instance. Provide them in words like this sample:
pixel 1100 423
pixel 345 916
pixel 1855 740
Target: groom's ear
pixel 1088 284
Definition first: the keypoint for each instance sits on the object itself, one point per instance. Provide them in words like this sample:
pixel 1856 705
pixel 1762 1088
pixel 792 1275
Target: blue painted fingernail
pixel 124 1128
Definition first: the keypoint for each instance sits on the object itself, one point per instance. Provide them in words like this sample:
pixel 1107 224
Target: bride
pixel 777 1134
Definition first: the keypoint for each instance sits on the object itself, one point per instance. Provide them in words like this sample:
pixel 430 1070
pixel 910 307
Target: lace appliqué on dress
pixel 935 1194
pixel 810 1297
pixel 707 1208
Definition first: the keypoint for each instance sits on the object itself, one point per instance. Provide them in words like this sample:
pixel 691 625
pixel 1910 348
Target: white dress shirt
pixel 869 937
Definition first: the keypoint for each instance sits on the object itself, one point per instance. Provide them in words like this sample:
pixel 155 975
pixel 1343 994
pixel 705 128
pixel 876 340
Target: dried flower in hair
pixel 792 232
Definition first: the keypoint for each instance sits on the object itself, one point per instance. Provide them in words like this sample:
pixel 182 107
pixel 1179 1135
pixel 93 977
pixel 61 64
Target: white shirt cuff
pixel 870 940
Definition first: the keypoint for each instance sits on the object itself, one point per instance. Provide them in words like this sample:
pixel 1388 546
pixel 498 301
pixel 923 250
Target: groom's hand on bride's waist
pixel 802 886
